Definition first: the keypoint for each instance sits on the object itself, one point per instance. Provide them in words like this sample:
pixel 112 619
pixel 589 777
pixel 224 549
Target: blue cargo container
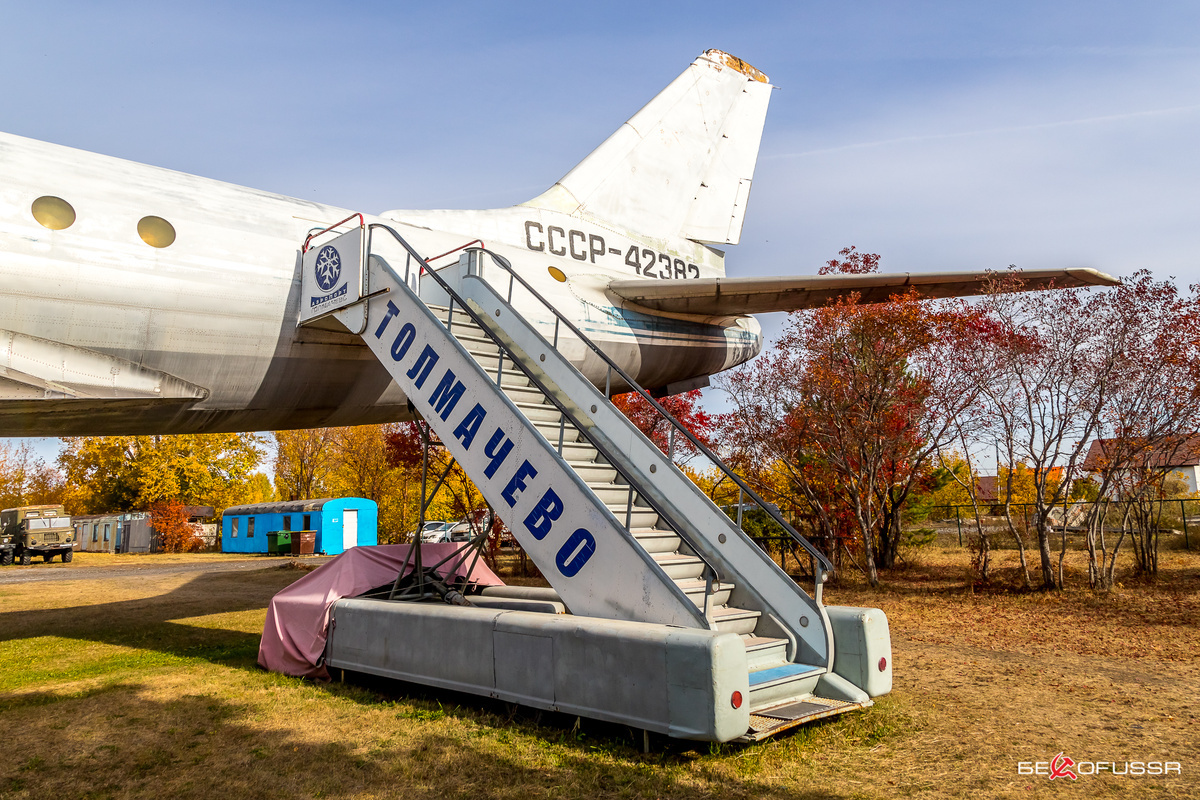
pixel 340 523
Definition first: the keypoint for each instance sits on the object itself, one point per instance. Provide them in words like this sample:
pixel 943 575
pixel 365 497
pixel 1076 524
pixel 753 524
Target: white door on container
pixel 349 528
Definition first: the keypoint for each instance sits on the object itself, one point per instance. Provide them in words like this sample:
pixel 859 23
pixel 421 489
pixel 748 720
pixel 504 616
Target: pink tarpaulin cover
pixel 298 618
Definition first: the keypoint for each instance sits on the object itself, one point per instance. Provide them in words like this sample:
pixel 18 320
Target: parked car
pixel 436 531
pixel 461 532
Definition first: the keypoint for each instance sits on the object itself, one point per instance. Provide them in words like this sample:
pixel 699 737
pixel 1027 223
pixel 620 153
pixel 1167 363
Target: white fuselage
pixel 106 334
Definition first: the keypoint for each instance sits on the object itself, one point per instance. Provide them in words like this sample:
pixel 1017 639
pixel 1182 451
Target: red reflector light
pixel 736 700
pixel 882 664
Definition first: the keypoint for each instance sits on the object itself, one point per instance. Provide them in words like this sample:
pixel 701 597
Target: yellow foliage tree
pixel 125 473
pixel 26 480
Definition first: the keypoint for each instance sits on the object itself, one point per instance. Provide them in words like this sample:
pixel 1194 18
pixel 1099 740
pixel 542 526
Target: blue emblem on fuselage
pixel 328 268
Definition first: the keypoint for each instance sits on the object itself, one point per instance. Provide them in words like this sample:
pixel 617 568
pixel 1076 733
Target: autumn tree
pixel 686 409
pixel 1075 364
pixel 169 521
pixel 450 494
pixel 1149 417
pixel 26 480
pixel 363 467
pixel 126 473
pixel 854 402
pixel 304 460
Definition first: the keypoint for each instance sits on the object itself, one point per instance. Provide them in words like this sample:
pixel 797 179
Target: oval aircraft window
pixel 558 275
pixel 53 213
pixel 156 231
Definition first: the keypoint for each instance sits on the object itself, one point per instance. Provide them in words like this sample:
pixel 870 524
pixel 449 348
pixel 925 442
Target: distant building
pixel 131 532
pixel 1178 454
pixel 114 533
pixel 985 489
pixel 340 523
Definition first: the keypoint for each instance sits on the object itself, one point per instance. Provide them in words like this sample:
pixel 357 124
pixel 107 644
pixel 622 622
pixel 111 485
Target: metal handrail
pixel 314 234
pixel 710 569
pixel 559 318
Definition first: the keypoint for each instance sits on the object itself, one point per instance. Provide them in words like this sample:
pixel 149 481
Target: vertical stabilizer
pixel 682 166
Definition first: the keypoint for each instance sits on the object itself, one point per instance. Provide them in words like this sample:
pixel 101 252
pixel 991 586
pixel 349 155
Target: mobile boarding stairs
pixel 678 622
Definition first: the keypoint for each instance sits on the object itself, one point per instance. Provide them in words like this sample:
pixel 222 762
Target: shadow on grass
pixel 151 622
pixel 116 742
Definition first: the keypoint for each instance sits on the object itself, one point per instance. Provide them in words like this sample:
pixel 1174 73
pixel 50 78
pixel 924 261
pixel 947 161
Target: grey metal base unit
pixel 683 682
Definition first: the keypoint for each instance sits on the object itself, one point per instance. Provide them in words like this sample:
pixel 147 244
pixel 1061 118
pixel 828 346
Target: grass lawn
pixel 130 686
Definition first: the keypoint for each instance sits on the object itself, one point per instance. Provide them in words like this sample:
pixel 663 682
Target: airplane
pixel 139 300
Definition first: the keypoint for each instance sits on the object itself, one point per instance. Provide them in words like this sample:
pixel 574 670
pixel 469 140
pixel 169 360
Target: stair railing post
pixel 629 507
pixel 708 585
pixel 562 426
pixel 739 514
pixel 415 547
pixel 420 573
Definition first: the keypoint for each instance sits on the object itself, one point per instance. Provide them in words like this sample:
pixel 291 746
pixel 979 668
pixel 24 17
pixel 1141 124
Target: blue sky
pixel 942 135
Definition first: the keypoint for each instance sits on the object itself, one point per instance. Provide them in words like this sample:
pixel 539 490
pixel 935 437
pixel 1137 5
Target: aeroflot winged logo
pixel 328 267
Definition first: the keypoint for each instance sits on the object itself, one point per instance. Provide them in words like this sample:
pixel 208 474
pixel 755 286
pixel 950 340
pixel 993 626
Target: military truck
pixel 31 531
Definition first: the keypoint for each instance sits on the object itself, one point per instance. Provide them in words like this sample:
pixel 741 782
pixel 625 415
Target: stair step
pixel 526 394
pixel 640 518
pixel 571 435
pixel 595 473
pixel 657 540
pixel 679 567
pixel 572 452
pixel 513 378
pixel 616 495
pixel 765 677
pixel 695 589
pixel 763 652
pixel 542 412
pixel 734 620
pixel 774 685
pixel 475 342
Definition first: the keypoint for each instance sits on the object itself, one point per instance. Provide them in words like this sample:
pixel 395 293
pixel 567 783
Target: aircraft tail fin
pixel 681 167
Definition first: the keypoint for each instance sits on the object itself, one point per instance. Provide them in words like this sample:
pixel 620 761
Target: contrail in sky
pixel 986 131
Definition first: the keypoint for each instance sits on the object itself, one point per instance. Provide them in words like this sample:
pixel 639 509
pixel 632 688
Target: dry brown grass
pixel 135 687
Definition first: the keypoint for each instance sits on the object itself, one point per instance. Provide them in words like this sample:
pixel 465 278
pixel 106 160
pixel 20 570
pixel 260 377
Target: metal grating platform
pixel 768 722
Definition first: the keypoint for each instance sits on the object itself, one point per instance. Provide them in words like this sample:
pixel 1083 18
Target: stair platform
pixel 772 721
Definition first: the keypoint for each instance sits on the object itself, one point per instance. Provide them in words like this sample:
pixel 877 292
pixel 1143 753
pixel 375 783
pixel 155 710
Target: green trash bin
pixel 279 543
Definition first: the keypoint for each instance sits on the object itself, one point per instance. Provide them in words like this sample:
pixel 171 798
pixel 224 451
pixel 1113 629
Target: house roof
pixel 283 507
pixel 196 512
pixel 1175 451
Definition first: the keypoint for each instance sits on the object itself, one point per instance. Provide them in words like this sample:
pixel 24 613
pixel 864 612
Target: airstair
pixel 679 623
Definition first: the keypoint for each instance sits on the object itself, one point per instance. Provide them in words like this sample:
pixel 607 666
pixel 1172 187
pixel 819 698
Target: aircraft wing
pixel 730 296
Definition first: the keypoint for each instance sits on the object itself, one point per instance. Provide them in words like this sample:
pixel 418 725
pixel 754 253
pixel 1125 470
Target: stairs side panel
pixel 586 555
pixel 801 617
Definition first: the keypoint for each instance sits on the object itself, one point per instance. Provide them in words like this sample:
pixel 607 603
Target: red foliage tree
pixel 854 402
pixel 684 407
pixel 404 445
pixel 175 534
pixel 1079 365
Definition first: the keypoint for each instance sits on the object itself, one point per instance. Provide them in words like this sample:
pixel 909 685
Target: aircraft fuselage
pixel 106 333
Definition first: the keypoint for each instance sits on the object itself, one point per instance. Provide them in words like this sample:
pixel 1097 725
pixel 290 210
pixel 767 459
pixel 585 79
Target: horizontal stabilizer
pixel 732 296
